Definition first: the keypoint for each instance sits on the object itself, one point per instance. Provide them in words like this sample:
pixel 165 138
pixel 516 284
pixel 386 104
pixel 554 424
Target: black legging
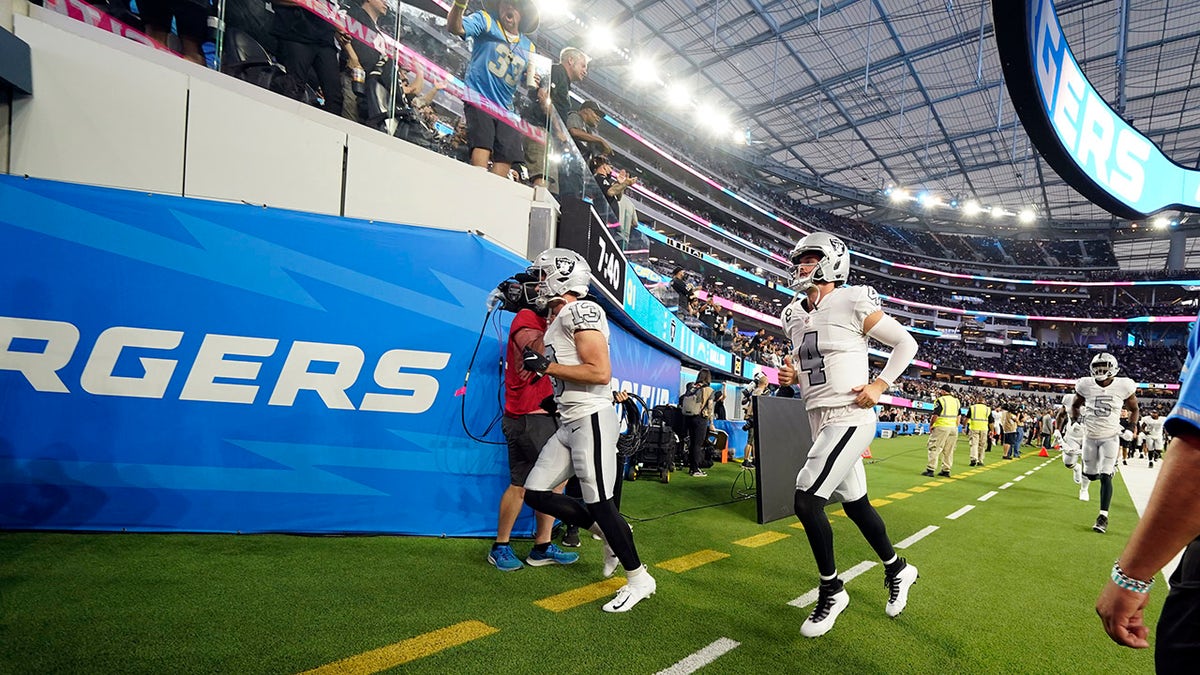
pixel 697 428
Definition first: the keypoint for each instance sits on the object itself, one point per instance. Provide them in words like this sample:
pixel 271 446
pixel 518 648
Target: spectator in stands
pixel 682 287
pixel 499 57
pixel 361 57
pixel 553 93
pixel 191 23
pixel 582 125
pixel 308 50
pixel 613 185
pixel 457 145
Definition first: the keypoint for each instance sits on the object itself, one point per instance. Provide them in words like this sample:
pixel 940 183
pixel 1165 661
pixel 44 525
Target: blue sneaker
pixel 504 559
pixel 552 555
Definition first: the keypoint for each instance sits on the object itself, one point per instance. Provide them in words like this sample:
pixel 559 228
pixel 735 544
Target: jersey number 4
pixel 811 361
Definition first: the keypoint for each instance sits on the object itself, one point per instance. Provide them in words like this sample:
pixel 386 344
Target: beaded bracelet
pixel 1129 583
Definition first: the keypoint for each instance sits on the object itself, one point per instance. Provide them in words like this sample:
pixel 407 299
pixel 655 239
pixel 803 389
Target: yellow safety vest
pixel 949 415
pixel 979 417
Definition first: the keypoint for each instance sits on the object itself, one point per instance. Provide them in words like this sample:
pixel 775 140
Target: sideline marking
pixel 1006 486
pixel 899 495
pixel 928 530
pixel 1029 473
pixel 918 489
pixel 988 496
pixel 581 596
pixel 408 650
pixel 880 502
pixel 798 525
pixel 811 596
pixel 702 658
pixel 933 483
pixel 693 560
pixel 961 512
pixel 762 539
pixel 1018 479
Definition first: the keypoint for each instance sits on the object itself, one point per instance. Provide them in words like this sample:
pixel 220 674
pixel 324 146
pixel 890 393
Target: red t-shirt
pixel 522 396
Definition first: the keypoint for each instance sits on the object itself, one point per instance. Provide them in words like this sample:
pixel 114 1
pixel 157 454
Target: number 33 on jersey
pixel 831 347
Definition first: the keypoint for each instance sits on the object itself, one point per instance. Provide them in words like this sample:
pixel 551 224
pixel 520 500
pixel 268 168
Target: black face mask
pixel 514 296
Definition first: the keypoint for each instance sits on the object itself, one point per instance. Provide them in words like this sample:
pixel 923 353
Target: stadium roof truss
pixel 845 97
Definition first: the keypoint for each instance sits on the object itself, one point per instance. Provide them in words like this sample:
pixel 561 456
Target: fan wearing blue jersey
pixel 499 59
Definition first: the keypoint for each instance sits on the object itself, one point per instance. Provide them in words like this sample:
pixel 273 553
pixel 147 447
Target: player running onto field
pixel 585 445
pixel 829 325
pixel 1072 443
pixel 1104 395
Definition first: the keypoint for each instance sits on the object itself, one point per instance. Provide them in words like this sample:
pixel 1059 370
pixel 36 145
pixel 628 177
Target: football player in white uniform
pixel 1072 443
pixel 829 325
pixel 1153 436
pixel 585 445
pixel 1104 395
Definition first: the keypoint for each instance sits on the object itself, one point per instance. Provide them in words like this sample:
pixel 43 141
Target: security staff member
pixel 978 416
pixel 944 434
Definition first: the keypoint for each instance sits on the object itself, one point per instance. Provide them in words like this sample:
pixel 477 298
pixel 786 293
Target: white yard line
pixel 702 658
pixel 961 512
pixel 917 537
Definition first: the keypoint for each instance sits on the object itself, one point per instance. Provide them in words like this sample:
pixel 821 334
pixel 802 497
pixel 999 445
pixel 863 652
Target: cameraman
pixel 697 406
pixel 526 425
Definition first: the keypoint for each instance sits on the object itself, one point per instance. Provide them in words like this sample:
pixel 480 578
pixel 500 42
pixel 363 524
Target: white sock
pixel 1104 513
pixel 829 578
pixel 1084 481
pixel 889 562
pixel 636 575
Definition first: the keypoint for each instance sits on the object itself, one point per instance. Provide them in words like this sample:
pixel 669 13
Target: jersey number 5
pixel 811 361
pixel 1102 406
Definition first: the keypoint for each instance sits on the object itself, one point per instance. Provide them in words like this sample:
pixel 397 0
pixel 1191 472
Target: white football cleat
pixel 898 589
pixel 632 593
pixel 829 606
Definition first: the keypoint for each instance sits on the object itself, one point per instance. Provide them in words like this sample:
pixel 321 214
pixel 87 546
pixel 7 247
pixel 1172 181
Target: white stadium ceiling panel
pixel 904 90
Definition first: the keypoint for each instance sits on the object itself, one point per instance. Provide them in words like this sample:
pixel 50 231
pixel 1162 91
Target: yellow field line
pixel 408 650
pixel 919 489
pixel 581 596
pixel 839 512
pixel 880 502
pixel 798 525
pixel 933 483
pixel 692 560
pixel 899 495
pixel 762 539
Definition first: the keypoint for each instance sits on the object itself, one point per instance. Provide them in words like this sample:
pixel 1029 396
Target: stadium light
pixel 644 71
pixel 1162 222
pixel 1026 216
pixel 899 195
pixel 972 208
pixel 998 212
pixel 601 40
pixel 678 94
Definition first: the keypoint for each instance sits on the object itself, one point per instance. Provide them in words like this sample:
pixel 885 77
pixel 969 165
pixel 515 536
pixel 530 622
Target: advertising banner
pixel 177 364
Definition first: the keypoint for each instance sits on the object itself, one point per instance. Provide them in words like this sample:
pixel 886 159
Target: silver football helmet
pixel 834 265
pixel 1104 366
pixel 559 271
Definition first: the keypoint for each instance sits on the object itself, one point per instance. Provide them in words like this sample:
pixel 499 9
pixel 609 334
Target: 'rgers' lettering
pixel 225 368
pixel 1101 143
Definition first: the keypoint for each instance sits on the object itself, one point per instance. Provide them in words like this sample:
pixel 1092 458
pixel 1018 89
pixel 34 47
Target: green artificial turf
pixel 1008 587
